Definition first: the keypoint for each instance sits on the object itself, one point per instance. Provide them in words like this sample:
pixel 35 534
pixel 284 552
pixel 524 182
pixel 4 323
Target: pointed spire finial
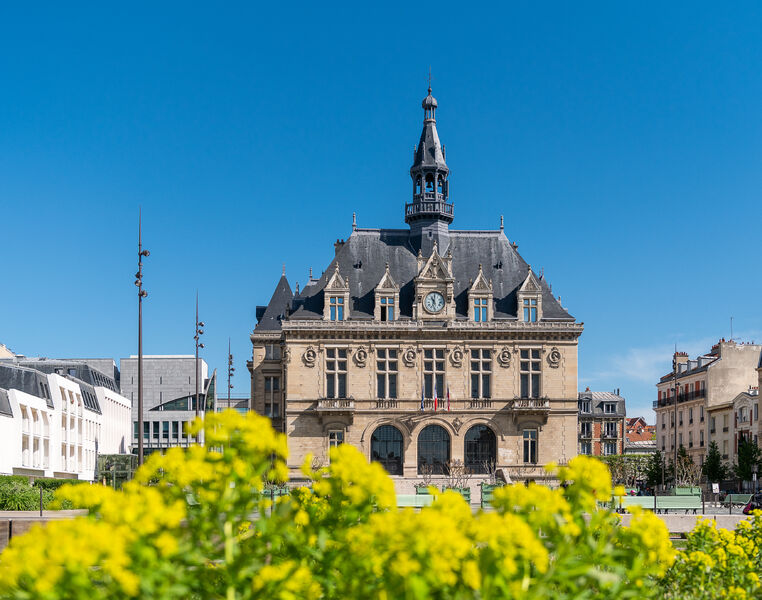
pixel 354 221
pixel 310 273
pixel 501 222
pixel 284 268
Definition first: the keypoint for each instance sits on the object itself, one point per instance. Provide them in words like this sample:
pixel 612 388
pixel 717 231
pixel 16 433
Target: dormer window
pixel 530 310
pixel 387 298
pixel 480 298
pixel 387 308
pixel 336 309
pixel 529 298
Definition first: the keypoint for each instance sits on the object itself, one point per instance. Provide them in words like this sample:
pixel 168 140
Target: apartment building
pixel 601 417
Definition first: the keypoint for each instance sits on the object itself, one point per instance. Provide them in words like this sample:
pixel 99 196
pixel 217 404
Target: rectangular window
pixel 609 408
pixel 663 443
pixel 165 430
pixel 480 310
pixel 156 430
pixel 481 373
pixel 680 440
pixel 387 308
pixel 680 418
pixel 175 430
pixel 336 308
pixel 530 310
pixel 756 411
pixel 586 429
pixel 386 373
pixel 610 430
pixel 690 415
pixel 585 406
pixel 434 372
pixel 272 397
pixel 146 429
pixel 335 437
pixel 585 448
pixel 690 439
pixel 701 438
pixel 272 352
pixel 701 413
pixel 530 446
pixel 135 429
pixel 336 373
pixel 609 448
pixel 712 424
pixel 530 373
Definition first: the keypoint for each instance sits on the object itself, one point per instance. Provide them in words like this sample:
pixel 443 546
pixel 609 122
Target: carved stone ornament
pixel 504 357
pixel 554 358
pixel 409 356
pixel 456 356
pixel 310 356
pixel 361 356
pixel 457 423
pixel 287 355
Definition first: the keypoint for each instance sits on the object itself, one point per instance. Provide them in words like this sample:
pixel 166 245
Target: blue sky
pixel 621 142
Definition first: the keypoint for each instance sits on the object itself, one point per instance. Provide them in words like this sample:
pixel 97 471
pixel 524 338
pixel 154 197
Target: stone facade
pixel 421 347
pixel 707 387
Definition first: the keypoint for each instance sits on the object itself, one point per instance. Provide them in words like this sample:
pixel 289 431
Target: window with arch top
pixel 433 449
pixel 386 448
pixel 480 449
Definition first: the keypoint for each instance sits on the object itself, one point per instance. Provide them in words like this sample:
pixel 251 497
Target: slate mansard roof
pixel 363 257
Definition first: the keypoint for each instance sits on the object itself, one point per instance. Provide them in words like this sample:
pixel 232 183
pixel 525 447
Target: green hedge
pixel 17 493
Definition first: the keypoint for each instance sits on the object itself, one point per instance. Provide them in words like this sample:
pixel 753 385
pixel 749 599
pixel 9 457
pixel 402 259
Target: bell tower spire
pixel 430 212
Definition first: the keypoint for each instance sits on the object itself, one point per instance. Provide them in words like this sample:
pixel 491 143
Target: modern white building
pixel 56 417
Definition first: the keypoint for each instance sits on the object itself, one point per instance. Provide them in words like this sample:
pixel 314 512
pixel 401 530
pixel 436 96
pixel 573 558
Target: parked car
pixel 754 504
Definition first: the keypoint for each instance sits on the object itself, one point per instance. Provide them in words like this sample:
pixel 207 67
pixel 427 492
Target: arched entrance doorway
pixel 481 449
pixel 386 448
pixel 433 449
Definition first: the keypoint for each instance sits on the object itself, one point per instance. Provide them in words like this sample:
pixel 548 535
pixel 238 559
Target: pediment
pixel 481 284
pixel 387 281
pixel 531 284
pixel 435 268
pixel 337 282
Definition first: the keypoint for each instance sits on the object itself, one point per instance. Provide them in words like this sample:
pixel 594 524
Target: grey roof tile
pixel 277 308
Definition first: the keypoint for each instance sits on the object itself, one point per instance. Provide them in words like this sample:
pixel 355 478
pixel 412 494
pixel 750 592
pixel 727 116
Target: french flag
pixel 423 391
pixel 436 400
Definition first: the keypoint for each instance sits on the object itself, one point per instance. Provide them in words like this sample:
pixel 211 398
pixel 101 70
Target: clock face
pixel 434 302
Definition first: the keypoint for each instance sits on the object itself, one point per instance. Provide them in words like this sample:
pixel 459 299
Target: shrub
pixel 20 495
pixel 195 524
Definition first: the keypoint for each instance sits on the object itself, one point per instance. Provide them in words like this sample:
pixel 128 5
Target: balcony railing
pixel 685 397
pixel 429 206
pixel 531 404
pixel 479 403
pixel 386 404
pixel 336 405
pixel 609 435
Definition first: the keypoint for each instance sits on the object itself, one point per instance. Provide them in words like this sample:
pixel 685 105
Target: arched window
pixel 386 448
pixel 433 449
pixel 440 184
pixel 481 449
pixel 429 183
pixel 418 185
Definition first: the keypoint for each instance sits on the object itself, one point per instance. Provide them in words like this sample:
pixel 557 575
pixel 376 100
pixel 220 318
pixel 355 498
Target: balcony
pixel 531 405
pixel 335 405
pixel 608 435
pixel 479 403
pixel 685 397
pixel 385 404
pixel 430 204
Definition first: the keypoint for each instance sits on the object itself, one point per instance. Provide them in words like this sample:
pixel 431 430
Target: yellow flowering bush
pixel 198 523
pixel 718 563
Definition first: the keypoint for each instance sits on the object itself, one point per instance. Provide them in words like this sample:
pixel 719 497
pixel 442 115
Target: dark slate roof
pixel 5 403
pixel 363 257
pixel 601 398
pixel 29 381
pixel 277 308
pixel 85 376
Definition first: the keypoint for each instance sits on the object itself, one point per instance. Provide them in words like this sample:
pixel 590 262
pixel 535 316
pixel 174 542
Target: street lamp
pixel 754 469
pixel 231 370
pixel 199 333
pixel 141 294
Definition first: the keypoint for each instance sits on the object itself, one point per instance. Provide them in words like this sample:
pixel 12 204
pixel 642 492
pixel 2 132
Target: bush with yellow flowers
pixel 718 563
pixel 195 523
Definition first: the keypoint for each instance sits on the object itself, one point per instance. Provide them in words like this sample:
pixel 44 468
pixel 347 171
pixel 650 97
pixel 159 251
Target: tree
pixel 714 469
pixel 687 473
pixel 748 454
pixel 655 471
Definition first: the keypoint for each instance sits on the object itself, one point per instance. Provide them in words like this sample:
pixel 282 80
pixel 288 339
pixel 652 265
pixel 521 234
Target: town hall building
pixel 422 346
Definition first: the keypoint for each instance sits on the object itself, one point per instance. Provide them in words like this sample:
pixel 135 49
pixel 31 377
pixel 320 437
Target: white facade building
pixel 53 423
